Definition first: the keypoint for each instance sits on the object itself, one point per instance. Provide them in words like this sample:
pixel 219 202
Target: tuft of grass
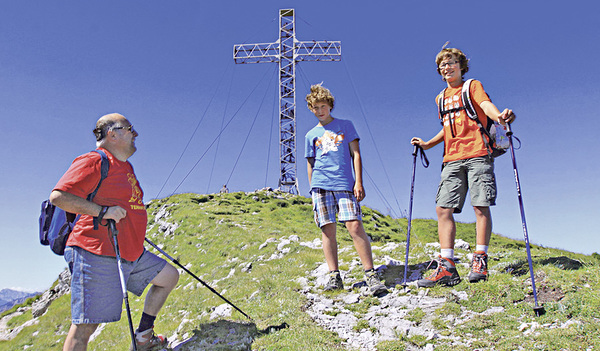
pixel 416 315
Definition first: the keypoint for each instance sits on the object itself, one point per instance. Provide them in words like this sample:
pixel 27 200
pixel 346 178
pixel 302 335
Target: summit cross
pixel 287 51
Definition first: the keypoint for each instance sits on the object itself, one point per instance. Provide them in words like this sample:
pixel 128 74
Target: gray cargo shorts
pixel 475 175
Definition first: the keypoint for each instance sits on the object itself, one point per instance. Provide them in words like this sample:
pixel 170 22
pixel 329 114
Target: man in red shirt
pixel 467 166
pixel 96 295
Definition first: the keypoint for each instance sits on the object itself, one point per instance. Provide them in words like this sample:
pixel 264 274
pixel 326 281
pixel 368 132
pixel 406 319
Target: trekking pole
pixel 538 310
pixel 425 163
pixel 113 230
pixel 195 277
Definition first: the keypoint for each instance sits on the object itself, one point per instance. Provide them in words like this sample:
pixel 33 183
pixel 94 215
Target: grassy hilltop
pixel 239 244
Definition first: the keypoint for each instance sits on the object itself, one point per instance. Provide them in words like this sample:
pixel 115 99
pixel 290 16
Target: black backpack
pixel 56 224
pixel 494 135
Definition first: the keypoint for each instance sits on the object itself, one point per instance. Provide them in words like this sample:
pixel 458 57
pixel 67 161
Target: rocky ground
pixel 385 319
pixel 360 320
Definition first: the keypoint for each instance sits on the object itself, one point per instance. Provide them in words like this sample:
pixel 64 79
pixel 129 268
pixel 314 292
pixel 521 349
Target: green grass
pixel 416 315
pixel 218 234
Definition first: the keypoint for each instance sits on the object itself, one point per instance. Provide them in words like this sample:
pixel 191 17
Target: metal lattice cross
pixel 287 51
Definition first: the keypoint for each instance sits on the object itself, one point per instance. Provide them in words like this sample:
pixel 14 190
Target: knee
pixel 482 211
pixel 352 225
pixel 174 275
pixel 444 213
pixel 169 276
pixel 82 332
pixel 356 229
pixel 329 230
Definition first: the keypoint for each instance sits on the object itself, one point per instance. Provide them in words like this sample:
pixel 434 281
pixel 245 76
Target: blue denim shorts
pixel 96 294
pixel 475 175
pixel 326 204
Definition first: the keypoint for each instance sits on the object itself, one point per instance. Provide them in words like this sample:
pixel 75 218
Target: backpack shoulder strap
pixel 104 167
pixel 467 102
pixel 440 102
pixel 470 110
pixel 470 107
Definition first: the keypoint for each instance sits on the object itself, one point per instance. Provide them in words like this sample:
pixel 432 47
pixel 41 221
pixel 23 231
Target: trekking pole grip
pixel 415 150
pixel 508 130
pixel 112 227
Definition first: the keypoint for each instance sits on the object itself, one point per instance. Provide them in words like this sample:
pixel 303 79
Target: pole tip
pixel 539 311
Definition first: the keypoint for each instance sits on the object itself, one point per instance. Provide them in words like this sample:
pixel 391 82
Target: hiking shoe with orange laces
pixel 444 274
pixel 478 267
pixel 148 341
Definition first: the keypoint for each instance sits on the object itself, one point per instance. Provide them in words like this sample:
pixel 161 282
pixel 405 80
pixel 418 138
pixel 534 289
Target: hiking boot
pixel 376 287
pixel 148 341
pixel 478 267
pixel 334 282
pixel 445 274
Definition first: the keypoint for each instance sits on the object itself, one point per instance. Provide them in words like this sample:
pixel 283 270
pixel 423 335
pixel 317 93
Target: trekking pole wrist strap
pixel 424 160
pixel 100 216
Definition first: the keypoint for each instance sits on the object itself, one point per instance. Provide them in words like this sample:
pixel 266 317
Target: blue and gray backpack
pixel 56 224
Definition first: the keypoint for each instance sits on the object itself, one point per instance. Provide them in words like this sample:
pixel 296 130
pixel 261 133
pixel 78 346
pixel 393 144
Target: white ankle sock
pixel 483 248
pixel 447 253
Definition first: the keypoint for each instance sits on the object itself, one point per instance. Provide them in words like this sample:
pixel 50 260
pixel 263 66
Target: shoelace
pixel 437 270
pixel 478 263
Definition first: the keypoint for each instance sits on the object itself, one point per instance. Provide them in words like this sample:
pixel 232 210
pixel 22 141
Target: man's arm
pixel 75 204
pixel 359 190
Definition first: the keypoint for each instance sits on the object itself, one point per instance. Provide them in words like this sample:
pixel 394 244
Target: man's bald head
pixel 104 124
pixel 116 134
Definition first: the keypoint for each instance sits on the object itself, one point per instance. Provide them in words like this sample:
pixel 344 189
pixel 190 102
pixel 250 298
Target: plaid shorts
pixel 326 204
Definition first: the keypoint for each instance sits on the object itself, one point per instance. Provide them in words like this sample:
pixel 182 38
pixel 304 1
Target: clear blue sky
pixel 167 65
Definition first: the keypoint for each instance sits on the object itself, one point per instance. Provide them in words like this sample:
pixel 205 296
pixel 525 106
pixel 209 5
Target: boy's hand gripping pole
pixel 425 163
pixel 112 228
pixel 195 277
pixel 538 310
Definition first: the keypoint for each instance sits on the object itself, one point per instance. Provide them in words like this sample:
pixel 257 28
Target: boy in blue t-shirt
pixel 332 152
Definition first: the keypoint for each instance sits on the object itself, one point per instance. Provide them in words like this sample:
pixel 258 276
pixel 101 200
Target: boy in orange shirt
pixel 467 166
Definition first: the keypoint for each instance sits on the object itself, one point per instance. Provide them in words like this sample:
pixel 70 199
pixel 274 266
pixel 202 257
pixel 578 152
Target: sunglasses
pixel 129 128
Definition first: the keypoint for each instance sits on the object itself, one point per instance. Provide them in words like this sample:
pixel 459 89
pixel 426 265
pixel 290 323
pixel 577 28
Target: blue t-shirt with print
pixel 329 145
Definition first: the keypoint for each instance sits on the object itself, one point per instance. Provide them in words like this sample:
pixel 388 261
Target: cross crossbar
pixel 303 51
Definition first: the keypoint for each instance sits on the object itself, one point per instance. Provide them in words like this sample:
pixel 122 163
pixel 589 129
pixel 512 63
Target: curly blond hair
pixel 449 53
pixel 319 93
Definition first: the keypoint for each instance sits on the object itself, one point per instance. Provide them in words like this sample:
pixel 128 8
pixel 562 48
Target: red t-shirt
pixel 119 188
pixel 467 141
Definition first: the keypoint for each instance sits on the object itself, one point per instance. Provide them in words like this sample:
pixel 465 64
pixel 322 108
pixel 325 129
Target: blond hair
pixel 319 93
pixel 449 53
